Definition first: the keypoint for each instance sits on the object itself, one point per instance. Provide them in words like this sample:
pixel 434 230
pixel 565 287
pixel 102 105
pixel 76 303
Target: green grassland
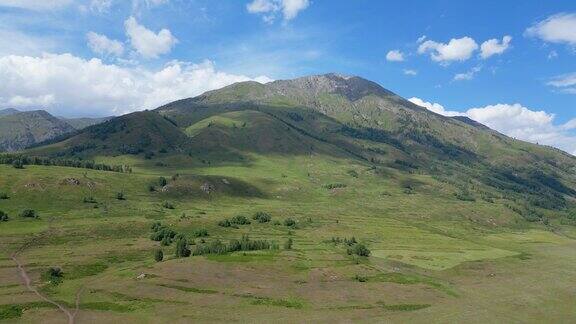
pixel 433 256
pixel 462 224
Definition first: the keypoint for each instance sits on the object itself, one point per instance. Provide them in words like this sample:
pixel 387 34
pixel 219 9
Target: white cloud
pixel 459 49
pixel 100 5
pixel 565 83
pixel 552 55
pixel 146 42
pixel 421 39
pixel 435 107
pixel 516 121
pixel 37 5
pixel 468 75
pixel 102 45
pixel 18 43
pixel 395 56
pixel 410 72
pixel 270 8
pixel 560 28
pixel 494 47
pixel 69 85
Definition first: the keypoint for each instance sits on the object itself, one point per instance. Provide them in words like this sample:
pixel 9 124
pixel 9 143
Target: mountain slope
pixel 22 129
pixel 343 117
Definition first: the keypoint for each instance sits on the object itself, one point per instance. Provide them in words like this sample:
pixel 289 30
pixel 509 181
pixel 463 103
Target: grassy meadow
pixel 433 257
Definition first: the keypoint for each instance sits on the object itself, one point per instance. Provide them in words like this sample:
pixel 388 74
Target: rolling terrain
pixel 460 222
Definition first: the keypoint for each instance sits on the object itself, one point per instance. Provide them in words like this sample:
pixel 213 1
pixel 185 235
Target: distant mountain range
pixel 21 129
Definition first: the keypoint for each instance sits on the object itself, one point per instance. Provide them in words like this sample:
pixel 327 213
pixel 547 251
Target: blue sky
pixel 508 64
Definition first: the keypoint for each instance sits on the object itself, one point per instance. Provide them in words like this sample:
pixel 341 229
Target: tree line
pixel 19 161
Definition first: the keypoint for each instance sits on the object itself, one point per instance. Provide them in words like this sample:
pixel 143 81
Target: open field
pixel 433 257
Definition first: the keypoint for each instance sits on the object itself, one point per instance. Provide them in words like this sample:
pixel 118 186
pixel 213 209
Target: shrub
pixel 359 250
pixel 18 164
pixel 360 278
pixel 151 188
pixel 54 275
pixel 29 213
pixel 262 217
pixel 162 181
pixel 3 216
pixel 289 222
pixel 240 220
pixel 182 249
pixel 288 244
pixel 4 195
pixel 158 255
pixel 161 231
pixel 244 244
pixel 120 196
pixel 225 223
pixel 89 200
pixel 334 185
pixel 200 232
pixel 166 241
pixel 168 205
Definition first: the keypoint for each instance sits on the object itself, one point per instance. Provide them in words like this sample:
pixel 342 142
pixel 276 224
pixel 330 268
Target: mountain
pixel 19 130
pixel 83 122
pixel 22 129
pixel 8 111
pixel 343 117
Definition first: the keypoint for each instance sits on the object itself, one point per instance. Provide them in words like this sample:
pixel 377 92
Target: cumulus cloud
pixel 102 45
pixel 468 75
pixel 517 121
pixel 565 83
pixel 271 8
pixel 395 56
pixel 435 107
pixel 494 47
pixel 410 72
pixel 37 5
pixel 459 49
pixel 559 28
pixel 69 85
pixel 146 42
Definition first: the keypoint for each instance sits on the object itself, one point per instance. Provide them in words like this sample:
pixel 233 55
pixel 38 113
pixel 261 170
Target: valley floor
pixel 433 259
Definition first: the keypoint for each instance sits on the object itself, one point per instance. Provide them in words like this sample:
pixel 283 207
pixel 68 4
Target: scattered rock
pixel 225 181
pixel 207 187
pixel 71 182
pixel 141 276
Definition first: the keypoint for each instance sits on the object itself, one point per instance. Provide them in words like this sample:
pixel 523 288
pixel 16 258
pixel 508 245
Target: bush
pixel 158 255
pixel 54 275
pixel 151 188
pixel 89 200
pixel 244 244
pixel 262 217
pixel 18 164
pixel 166 241
pixel 359 250
pixel 225 223
pixel 288 244
pixel 120 196
pixel 360 278
pixel 182 249
pixel 240 220
pixel 3 216
pixel 334 185
pixel 161 232
pixel 168 205
pixel 289 222
pixel 200 232
pixel 4 195
pixel 162 181
pixel 29 213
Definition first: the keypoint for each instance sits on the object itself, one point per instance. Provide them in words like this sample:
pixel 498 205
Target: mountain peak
pixel 352 87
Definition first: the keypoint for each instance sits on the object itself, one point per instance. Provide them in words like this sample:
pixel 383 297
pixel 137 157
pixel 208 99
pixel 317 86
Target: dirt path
pixel 28 282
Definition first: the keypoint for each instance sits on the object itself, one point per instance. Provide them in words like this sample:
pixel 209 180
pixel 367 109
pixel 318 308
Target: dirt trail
pixel 28 282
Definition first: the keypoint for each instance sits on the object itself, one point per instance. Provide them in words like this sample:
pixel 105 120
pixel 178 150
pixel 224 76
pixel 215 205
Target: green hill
pixel 325 198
